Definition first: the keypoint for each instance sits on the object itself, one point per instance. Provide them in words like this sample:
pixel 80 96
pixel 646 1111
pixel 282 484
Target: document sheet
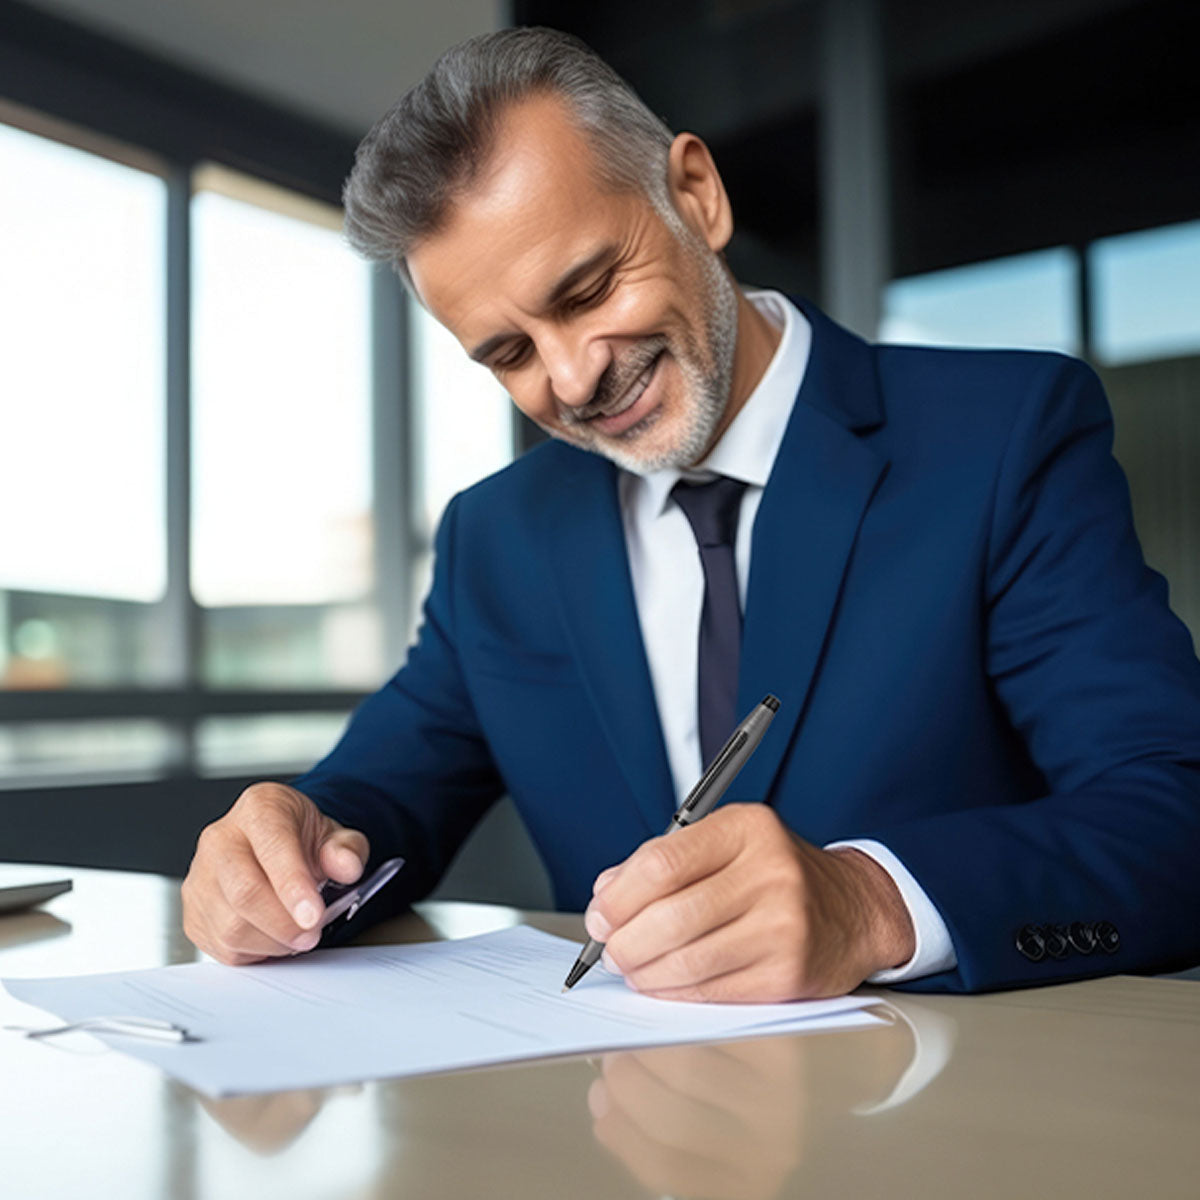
pixel 370 1012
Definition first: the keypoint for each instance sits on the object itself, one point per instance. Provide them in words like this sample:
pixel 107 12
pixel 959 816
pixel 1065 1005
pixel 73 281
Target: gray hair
pixel 430 145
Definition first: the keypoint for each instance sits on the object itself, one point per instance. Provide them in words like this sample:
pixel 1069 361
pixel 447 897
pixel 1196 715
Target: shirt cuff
pixel 935 951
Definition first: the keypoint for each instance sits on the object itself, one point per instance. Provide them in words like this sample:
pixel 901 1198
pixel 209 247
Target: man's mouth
pixel 633 393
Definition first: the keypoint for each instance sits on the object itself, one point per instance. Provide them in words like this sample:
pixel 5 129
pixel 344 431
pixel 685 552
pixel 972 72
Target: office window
pixel 282 529
pixel 464 417
pixel 464 424
pixel 275 743
pixel 83 552
pixel 62 752
pixel 1028 301
pixel 1146 294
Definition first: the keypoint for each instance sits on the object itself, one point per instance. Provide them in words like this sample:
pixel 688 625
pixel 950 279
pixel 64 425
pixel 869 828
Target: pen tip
pixel 565 990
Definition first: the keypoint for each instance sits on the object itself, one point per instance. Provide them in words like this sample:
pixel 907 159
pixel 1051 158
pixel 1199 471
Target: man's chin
pixel 637 449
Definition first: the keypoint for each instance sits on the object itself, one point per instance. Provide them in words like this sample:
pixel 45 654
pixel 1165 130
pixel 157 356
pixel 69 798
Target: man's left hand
pixel 738 908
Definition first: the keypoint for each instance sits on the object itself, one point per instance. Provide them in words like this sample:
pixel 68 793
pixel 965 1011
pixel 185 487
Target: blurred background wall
pixel 225 443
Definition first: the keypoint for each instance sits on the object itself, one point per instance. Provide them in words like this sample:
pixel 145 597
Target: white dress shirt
pixel 668 586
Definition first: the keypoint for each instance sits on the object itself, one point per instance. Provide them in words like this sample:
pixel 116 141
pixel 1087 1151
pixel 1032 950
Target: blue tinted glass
pixel 1146 294
pixel 1029 300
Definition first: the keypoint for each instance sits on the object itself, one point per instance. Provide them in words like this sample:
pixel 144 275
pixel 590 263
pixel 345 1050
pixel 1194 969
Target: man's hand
pixel 252 890
pixel 738 908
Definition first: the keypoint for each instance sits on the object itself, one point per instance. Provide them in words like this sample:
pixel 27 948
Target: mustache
pixel 613 385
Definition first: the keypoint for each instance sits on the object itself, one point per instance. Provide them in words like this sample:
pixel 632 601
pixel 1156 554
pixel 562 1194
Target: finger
pixel 759 982
pixel 682 918
pixel 656 951
pixel 287 854
pixel 658 868
pixel 253 910
pixel 221 933
pixel 211 921
pixel 605 877
pixel 343 854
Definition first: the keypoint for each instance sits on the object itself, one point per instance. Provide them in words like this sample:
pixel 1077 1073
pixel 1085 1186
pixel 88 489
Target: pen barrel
pixel 725 766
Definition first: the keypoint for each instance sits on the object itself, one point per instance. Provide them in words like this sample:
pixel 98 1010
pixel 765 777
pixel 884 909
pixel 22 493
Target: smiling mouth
pixel 632 394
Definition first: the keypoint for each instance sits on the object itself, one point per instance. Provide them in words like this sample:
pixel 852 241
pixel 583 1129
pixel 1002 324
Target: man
pixel 986 768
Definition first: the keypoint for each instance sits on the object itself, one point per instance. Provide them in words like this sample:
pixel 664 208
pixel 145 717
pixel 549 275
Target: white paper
pixel 370 1012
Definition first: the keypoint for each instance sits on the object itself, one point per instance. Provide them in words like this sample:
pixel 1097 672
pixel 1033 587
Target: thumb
pixel 342 852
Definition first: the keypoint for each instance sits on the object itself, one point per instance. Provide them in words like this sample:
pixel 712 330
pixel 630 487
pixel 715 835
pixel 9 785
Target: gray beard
pixel 707 372
pixel 708 387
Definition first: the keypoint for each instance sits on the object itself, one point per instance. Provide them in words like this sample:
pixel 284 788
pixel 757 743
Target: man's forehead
pixel 535 214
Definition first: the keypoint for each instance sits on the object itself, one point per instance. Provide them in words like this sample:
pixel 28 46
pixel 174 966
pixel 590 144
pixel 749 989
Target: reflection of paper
pixel 367 1012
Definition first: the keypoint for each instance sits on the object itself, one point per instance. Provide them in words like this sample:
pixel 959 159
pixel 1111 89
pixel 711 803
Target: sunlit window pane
pixel 274 743
pixel 82 455
pixel 1146 294
pixel 1028 301
pixel 81 375
pixel 62 752
pixel 281 422
pixel 282 526
pixel 294 646
pixel 464 418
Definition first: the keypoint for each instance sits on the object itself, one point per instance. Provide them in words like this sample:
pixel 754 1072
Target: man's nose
pixel 573 367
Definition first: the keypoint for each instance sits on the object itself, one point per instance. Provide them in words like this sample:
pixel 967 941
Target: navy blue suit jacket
pixel 948 597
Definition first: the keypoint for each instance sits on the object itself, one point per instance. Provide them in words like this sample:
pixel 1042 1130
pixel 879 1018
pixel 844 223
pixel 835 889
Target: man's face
pixel 609 328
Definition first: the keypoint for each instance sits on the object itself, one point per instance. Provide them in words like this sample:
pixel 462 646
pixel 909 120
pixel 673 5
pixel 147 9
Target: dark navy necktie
pixel 712 511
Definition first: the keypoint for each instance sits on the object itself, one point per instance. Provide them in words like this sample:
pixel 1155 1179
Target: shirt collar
pixel 747 449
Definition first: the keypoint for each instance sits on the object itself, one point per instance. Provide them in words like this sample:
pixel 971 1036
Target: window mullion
pixel 182 630
pixel 395 497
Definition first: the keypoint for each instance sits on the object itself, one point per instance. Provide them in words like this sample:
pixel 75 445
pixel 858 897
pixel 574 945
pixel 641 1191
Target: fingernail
pixel 305 914
pixel 597 926
pixel 609 965
pixel 306 940
pixel 603 880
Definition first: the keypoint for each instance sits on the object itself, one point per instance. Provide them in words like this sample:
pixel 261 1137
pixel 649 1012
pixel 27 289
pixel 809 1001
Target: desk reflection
pixel 23 928
pixel 269 1123
pixel 735 1121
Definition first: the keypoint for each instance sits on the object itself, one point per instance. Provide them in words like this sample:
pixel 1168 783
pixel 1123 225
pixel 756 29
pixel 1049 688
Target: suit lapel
pixel 591 565
pixel 808 520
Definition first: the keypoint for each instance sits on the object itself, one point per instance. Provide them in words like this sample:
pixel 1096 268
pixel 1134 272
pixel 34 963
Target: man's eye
pixel 593 295
pixel 512 359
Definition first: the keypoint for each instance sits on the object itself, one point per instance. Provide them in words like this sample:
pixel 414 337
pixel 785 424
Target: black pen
pixel 700 801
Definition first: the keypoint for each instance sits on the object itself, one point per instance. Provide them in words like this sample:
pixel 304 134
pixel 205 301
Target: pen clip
pixel 731 747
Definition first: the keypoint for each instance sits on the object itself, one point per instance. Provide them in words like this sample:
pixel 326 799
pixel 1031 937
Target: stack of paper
pixel 368 1012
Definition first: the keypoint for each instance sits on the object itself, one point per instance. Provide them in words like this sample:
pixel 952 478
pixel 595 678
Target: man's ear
pixel 697 191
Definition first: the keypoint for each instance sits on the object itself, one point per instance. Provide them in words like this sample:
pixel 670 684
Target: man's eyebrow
pixel 578 273
pixel 554 297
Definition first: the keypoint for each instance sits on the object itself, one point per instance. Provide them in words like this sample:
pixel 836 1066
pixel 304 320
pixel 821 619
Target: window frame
pixel 99 95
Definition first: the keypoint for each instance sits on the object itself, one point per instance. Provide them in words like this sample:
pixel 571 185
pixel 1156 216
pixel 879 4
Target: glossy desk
pixel 1089 1090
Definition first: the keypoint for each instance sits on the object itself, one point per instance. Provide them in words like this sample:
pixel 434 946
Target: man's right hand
pixel 252 891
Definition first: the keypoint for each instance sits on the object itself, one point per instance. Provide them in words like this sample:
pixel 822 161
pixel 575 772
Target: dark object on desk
pixel 30 895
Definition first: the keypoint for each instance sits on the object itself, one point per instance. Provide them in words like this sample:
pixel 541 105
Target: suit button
pixel 1082 936
pixel 1055 938
pixel 1030 943
pixel 1107 937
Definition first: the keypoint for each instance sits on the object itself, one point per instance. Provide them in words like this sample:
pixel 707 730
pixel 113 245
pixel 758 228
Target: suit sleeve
pixel 1100 682
pixel 412 770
